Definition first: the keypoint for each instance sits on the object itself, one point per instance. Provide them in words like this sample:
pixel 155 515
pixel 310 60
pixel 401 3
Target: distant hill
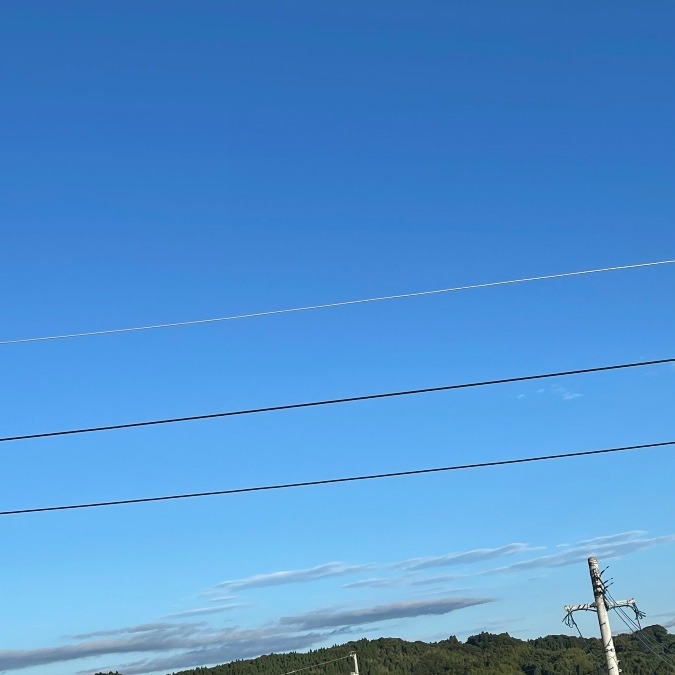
pixel 647 652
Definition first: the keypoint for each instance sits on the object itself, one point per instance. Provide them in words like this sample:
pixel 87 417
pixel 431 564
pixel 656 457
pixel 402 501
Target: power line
pixel 646 642
pixel 331 305
pixel 316 665
pixel 636 630
pixel 348 479
pixel 334 401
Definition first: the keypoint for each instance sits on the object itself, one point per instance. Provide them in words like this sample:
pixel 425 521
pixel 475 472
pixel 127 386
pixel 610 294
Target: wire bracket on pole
pixel 590 607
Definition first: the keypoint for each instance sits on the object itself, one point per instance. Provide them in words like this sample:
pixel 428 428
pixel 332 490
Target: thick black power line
pixel 348 479
pixel 334 401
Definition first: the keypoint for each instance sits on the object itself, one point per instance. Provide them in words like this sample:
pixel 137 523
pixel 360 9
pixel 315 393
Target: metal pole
pixel 603 618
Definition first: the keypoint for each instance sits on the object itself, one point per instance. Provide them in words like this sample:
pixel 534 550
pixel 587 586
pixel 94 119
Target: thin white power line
pixel 315 665
pixel 329 305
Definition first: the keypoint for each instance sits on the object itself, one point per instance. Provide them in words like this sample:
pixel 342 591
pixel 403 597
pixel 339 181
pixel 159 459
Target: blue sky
pixel 174 161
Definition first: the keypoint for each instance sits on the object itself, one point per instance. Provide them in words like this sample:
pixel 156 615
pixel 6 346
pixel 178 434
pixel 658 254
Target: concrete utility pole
pixel 600 607
pixel 356 664
pixel 603 617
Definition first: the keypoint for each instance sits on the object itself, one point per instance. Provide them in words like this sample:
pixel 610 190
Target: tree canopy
pixel 647 652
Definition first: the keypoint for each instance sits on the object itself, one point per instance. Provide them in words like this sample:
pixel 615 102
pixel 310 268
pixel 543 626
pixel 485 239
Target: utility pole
pixel 356 664
pixel 603 617
pixel 600 607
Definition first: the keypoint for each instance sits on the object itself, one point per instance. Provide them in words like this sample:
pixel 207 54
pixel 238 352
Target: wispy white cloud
pixel 221 598
pixel 408 580
pixel 438 579
pixel 212 647
pixel 377 583
pixel 327 618
pixel 337 569
pixel 304 575
pixel 141 628
pixel 630 535
pixel 205 610
pixel 464 557
pixel 560 391
pixel 565 393
pixel 603 547
pixel 194 644
pixel 144 638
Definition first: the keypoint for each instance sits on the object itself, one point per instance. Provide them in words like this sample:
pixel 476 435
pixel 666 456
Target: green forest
pixel 650 651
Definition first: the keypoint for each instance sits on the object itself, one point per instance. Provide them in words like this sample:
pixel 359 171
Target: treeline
pixel 647 652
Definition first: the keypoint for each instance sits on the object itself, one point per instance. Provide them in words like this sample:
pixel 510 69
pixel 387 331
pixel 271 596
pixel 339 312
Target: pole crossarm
pixel 591 607
pixel 613 604
pixel 570 609
pixel 585 607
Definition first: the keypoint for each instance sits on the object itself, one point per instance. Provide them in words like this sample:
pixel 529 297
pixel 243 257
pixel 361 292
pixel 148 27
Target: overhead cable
pixel 329 481
pixel 316 665
pixel 334 401
pixel 638 632
pixel 331 305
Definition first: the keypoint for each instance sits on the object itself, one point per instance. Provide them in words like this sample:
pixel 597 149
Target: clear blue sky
pixel 167 161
